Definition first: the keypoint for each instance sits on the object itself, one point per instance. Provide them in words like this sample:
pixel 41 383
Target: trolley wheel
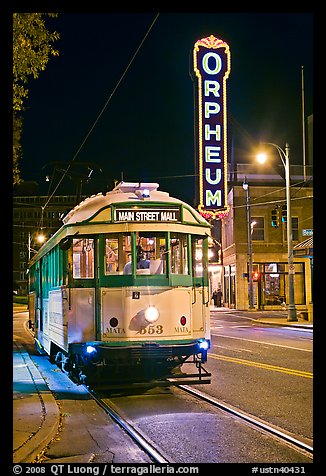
pixel 58 359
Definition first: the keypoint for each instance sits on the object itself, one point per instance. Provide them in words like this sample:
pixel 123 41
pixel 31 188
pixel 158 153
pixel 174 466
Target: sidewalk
pixel 36 415
pixel 56 421
pixel 275 318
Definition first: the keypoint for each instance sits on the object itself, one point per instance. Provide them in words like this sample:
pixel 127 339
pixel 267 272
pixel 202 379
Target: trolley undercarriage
pixel 148 364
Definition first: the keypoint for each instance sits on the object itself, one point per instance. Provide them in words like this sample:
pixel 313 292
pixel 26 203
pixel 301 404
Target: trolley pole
pixel 292 314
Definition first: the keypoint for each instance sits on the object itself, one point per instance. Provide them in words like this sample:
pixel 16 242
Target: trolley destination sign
pixel 212 64
pixel 147 215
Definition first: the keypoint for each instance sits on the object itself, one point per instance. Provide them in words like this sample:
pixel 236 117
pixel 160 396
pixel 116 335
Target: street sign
pixel 291 269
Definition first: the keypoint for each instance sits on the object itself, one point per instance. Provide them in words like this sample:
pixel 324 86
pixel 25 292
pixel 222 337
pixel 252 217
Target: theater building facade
pixel 269 247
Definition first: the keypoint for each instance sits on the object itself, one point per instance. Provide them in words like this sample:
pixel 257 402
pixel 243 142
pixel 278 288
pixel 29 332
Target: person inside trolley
pixel 142 262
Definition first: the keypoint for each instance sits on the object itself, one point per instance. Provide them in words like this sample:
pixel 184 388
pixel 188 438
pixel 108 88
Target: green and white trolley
pixel 120 292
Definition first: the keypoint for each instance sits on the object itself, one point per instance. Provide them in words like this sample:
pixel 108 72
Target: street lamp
pixel 40 238
pixel 245 186
pixel 285 158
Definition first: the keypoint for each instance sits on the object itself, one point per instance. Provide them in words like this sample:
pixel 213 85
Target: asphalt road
pixel 264 370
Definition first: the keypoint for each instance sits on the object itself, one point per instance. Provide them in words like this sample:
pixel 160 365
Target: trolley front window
pixel 149 254
pixel 83 258
pixel 117 253
pixel 172 258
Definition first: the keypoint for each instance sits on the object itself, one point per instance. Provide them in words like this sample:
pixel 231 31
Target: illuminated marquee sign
pixel 166 215
pixel 212 65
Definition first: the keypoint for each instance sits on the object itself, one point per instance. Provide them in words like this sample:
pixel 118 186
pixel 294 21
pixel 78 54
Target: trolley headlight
pixel 90 349
pixel 151 314
pixel 145 193
pixel 204 345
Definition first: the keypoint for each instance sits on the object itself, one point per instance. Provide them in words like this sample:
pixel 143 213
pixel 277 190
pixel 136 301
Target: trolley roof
pixel 124 192
pixel 90 214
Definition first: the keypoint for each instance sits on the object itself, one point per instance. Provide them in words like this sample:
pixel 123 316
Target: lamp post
pixel 245 186
pixel 285 158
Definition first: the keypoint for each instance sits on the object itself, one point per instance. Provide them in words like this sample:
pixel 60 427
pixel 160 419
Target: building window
pixel 295 229
pixel 257 226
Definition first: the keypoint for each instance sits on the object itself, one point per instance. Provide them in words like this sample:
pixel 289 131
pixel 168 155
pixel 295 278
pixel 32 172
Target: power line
pixel 273 202
pixel 102 111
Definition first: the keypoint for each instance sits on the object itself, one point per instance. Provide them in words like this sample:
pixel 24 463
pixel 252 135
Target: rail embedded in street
pixel 267 427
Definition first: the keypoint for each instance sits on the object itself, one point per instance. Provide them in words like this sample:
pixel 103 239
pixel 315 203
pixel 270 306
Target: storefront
pixel 271 284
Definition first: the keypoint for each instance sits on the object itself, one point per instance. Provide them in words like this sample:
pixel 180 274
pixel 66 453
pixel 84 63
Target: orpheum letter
pixel 209 179
pixel 212 154
pixel 213 199
pixel 212 87
pixel 211 132
pixel 211 108
pixel 217 62
pixel 212 65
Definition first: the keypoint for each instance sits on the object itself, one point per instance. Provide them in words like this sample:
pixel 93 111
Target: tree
pixel 32 48
pixel 17 148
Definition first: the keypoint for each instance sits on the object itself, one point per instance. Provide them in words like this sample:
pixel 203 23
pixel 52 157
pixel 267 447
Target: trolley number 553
pixel 158 329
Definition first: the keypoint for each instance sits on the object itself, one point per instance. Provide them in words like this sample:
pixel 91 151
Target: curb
pixel 284 324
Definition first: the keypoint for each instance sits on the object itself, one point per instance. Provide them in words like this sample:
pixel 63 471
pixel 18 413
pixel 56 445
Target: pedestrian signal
pixel 255 276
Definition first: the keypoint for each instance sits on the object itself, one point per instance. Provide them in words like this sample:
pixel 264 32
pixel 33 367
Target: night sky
pixel 146 132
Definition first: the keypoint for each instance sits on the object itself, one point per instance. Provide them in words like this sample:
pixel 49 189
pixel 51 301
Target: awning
pixel 305 248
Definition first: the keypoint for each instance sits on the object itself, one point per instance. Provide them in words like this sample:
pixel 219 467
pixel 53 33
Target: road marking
pixel 234 349
pixel 298 373
pixel 241 327
pixel 261 342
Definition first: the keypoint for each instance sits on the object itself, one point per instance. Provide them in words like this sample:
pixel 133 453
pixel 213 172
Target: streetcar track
pixel 250 419
pixel 137 436
pixel 158 455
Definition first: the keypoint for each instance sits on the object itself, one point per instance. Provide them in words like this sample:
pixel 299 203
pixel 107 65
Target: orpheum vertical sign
pixel 212 64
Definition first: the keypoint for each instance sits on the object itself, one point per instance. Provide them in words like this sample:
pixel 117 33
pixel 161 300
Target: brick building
pixel 269 242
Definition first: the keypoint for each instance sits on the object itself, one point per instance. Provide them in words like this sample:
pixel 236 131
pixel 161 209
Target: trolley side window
pixel 198 256
pixel 111 255
pixel 83 258
pixel 179 253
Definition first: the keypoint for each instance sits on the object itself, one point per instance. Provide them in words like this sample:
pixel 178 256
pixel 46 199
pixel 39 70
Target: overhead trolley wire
pixel 102 111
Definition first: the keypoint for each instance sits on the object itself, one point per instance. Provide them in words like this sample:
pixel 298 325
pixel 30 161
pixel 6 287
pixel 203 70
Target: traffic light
pixel 275 218
pixel 284 214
